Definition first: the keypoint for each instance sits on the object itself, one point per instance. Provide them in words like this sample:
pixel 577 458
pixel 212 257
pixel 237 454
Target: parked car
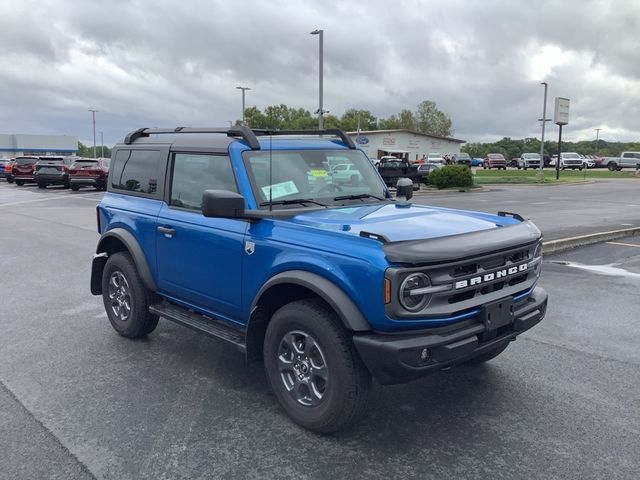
pixel 392 169
pixel 529 160
pixel 3 164
pixel 513 162
pixel 626 159
pixel 224 234
pixel 462 158
pixel 89 172
pixel 495 160
pixel 23 170
pixel 570 160
pixel 425 169
pixel 588 162
pixel 8 170
pixel 52 171
pixel 477 162
pixel 435 157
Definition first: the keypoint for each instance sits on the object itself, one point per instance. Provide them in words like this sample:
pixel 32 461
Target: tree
pixel 352 117
pixel 87 152
pixel 430 120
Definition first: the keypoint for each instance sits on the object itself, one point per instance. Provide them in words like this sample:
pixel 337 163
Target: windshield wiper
pixel 357 196
pixel 292 201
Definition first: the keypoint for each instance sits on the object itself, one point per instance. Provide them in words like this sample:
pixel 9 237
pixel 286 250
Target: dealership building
pixel 407 144
pixel 17 145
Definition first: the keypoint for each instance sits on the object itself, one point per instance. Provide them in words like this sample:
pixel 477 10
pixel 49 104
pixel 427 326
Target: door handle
pixel 169 232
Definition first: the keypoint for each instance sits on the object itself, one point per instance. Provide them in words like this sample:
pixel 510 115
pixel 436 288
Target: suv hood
pixel 415 222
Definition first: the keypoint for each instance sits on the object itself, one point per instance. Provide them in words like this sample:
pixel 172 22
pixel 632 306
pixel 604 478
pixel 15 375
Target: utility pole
pixel 544 121
pixel 93 113
pixel 244 89
pixel 320 111
pixel 101 145
pixel 597 138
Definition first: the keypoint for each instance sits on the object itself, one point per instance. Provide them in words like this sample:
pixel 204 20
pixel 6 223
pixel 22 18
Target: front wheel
pixel 125 297
pixel 42 185
pixel 313 368
pixel 19 183
pixel 611 166
pixel 75 188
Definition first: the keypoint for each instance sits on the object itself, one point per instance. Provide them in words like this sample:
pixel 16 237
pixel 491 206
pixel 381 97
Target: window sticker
pixel 280 189
pixel 319 173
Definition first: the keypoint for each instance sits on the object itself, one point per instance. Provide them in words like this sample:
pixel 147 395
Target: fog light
pixel 425 355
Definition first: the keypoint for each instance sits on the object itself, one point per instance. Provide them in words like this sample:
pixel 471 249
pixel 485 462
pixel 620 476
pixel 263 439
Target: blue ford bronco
pixel 249 237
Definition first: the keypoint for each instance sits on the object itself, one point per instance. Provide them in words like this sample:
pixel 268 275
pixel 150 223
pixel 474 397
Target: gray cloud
pixel 172 62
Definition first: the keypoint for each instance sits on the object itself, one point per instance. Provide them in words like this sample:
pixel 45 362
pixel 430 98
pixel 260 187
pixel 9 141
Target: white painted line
pixel 624 244
pixel 627 224
pixel 44 199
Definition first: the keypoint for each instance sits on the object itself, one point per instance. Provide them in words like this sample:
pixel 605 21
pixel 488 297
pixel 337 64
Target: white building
pixel 407 144
pixel 12 146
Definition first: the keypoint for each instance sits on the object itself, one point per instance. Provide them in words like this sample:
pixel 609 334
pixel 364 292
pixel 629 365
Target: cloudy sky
pixel 177 62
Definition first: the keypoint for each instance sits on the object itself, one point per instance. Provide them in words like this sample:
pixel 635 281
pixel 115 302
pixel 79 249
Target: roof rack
pixel 247 134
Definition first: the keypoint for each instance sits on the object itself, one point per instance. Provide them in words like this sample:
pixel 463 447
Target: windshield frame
pixel 363 163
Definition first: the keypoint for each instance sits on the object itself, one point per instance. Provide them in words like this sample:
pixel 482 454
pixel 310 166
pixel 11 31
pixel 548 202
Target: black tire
pixel 137 322
pixel 9 180
pixel 485 357
pixel 19 183
pixel 580 168
pixel 42 185
pixel 75 188
pixel 611 166
pixel 66 185
pixel 343 396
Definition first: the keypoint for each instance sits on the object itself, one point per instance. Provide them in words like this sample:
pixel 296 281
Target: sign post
pixel 560 118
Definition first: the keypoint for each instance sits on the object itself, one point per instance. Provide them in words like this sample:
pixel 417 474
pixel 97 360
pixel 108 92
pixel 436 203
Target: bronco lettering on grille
pixel 488 277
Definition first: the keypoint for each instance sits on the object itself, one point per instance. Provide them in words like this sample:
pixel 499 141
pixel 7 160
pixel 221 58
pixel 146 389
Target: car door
pixel 198 258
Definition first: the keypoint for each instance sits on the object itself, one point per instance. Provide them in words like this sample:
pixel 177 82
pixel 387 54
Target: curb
pixel 562 244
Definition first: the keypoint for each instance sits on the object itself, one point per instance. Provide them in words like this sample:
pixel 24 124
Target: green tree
pixel 87 151
pixel 430 120
pixel 352 117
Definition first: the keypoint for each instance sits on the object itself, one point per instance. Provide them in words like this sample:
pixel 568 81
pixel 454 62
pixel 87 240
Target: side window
pixel 136 171
pixel 194 173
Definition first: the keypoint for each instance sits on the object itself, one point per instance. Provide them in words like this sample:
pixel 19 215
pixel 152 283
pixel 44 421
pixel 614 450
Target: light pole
pixel 93 113
pixel 101 144
pixel 244 89
pixel 597 138
pixel 320 111
pixel 544 121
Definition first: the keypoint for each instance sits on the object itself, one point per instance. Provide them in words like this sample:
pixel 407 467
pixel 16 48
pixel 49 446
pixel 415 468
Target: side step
pixel 201 323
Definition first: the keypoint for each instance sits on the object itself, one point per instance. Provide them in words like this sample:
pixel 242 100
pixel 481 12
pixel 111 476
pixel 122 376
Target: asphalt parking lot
pixel 78 401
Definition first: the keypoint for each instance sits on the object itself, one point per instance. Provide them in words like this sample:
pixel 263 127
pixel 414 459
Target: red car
pixel 495 160
pixel 22 170
pixel 89 172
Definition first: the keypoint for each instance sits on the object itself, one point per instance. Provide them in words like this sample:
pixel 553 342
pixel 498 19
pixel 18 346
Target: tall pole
pixel 321 111
pixel 559 152
pixel 597 138
pixel 544 122
pixel 93 113
pixel 244 89
pixel 101 144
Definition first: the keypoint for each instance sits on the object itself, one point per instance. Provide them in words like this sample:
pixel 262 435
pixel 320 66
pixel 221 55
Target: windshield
pixel 496 156
pixel 531 156
pixel 26 161
pixel 320 175
pixel 570 155
pixel 434 155
pixel 462 155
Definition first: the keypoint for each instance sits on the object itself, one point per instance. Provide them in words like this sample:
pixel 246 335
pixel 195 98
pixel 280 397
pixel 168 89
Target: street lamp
pixel 544 121
pixel 244 89
pixel 320 111
pixel 101 145
pixel 93 113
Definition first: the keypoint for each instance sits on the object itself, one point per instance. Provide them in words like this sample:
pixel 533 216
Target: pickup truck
pixel 626 159
pixel 393 169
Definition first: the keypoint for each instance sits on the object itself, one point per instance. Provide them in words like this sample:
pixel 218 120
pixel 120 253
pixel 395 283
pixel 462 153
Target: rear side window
pixel 195 173
pixel 136 171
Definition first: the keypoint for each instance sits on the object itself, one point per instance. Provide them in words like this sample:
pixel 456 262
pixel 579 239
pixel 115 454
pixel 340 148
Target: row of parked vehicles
pixel 70 172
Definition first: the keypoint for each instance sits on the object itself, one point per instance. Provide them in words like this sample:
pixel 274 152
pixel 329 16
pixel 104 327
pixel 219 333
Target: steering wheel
pixel 330 187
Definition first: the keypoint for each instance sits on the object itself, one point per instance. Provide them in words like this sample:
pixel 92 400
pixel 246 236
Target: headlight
pixel 410 296
pixel 538 251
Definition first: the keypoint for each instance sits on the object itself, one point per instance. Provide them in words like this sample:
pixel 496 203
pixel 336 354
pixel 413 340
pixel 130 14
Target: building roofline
pixel 415 132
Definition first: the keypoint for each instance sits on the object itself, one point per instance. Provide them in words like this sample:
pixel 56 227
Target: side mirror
pixel 404 188
pixel 222 203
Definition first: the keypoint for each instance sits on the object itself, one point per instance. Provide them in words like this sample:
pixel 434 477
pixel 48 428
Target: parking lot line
pixel 44 199
pixel 624 244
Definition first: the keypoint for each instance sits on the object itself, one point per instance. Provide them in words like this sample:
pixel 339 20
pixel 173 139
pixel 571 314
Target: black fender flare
pixel 134 249
pixel 347 311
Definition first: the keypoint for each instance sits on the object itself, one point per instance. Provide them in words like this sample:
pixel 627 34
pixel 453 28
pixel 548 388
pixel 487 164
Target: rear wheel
pixel 19 183
pixel 42 185
pixel 125 297
pixel 611 166
pixel 75 188
pixel 313 368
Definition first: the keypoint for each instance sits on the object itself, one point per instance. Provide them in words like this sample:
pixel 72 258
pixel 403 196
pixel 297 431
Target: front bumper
pixel 393 358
